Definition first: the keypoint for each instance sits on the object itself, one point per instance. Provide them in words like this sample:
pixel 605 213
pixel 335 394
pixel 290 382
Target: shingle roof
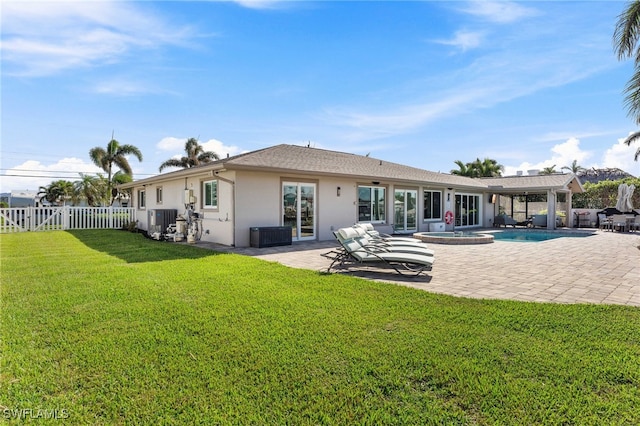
pixel 520 183
pixel 300 159
pixel 324 162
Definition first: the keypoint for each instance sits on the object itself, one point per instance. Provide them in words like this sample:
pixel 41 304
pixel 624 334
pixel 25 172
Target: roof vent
pixel 533 172
pixel 519 173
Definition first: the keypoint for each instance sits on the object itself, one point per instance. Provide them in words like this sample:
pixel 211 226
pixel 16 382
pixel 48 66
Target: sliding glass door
pixel 299 209
pixel 467 210
pixel 405 210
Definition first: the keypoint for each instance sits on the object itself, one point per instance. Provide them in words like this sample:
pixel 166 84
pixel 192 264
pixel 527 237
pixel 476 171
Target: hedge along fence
pixel 604 194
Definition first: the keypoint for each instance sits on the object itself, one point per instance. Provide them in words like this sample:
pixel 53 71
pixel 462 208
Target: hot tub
pixel 453 237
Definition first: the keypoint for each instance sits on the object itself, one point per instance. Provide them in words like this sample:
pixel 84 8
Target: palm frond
pixel 627 32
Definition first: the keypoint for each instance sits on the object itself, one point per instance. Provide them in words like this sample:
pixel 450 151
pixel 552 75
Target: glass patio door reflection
pixel 405 210
pixel 298 207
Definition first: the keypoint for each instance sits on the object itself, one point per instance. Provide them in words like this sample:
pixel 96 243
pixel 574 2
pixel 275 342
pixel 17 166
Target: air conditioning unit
pixel 160 219
pixel 436 227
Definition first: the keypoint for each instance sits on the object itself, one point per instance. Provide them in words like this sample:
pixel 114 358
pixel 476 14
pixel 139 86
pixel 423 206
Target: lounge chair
pixel 374 239
pixel 504 220
pixel 378 246
pixel 385 237
pixel 403 263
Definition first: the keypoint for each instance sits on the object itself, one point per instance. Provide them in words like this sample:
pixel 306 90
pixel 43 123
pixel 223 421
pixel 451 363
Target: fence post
pixel 65 218
pixel 30 212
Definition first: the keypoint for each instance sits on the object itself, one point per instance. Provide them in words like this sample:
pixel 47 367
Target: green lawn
pixel 107 327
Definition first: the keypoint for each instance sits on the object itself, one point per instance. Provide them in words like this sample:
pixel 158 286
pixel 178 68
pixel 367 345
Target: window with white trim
pixel 371 203
pixel 142 198
pixel 432 204
pixel 210 194
pixel 158 195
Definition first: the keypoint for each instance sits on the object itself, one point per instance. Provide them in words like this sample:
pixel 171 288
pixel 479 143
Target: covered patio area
pixel 537 200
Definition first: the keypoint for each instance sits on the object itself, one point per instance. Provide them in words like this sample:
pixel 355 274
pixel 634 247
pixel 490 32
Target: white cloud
pixel 501 12
pixel 620 155
pixel 221 149
pixel 464 40
pixel 372 125
pixel 48 37
pixel 171 144
pixel 31 174
pixel 174 144
pixel 260 4
pixel 125 87
pixel 494 78
pixel 562 155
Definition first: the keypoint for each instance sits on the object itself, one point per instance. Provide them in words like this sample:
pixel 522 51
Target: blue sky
pixel 423 83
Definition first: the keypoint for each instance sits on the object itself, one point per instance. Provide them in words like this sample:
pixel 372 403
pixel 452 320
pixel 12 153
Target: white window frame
pixel 158 194
pixel 204 194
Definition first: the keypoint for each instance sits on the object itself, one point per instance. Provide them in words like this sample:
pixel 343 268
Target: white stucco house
pixel 315 191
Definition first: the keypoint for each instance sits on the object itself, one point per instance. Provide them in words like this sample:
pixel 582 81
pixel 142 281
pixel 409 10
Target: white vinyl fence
pixel 20 219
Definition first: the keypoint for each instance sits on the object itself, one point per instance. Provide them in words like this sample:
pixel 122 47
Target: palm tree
pixel 549 170
pixel 484 168
pixel 463 169
pixel 196 155
pixel 91 188
pixel 487 168
pixel 633 137
pixel 574 168
pixel 114 154
pixel 625 39
pixel 57 192
pixel 118 179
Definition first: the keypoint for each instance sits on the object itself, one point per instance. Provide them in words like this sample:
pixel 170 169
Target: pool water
pixel 535 236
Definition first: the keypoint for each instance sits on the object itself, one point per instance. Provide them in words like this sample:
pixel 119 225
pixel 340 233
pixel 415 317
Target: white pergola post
pixel 551 209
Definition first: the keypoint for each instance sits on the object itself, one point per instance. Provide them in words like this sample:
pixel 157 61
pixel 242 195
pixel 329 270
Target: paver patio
pixel 603 268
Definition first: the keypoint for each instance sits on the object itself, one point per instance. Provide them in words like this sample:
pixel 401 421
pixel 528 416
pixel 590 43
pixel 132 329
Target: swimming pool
pixel 530 235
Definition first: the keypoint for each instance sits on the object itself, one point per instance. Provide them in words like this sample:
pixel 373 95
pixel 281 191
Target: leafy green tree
pixel 625 39
pixel 115 154
pixel 604 194
pixel 574 168
pixel 195 155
